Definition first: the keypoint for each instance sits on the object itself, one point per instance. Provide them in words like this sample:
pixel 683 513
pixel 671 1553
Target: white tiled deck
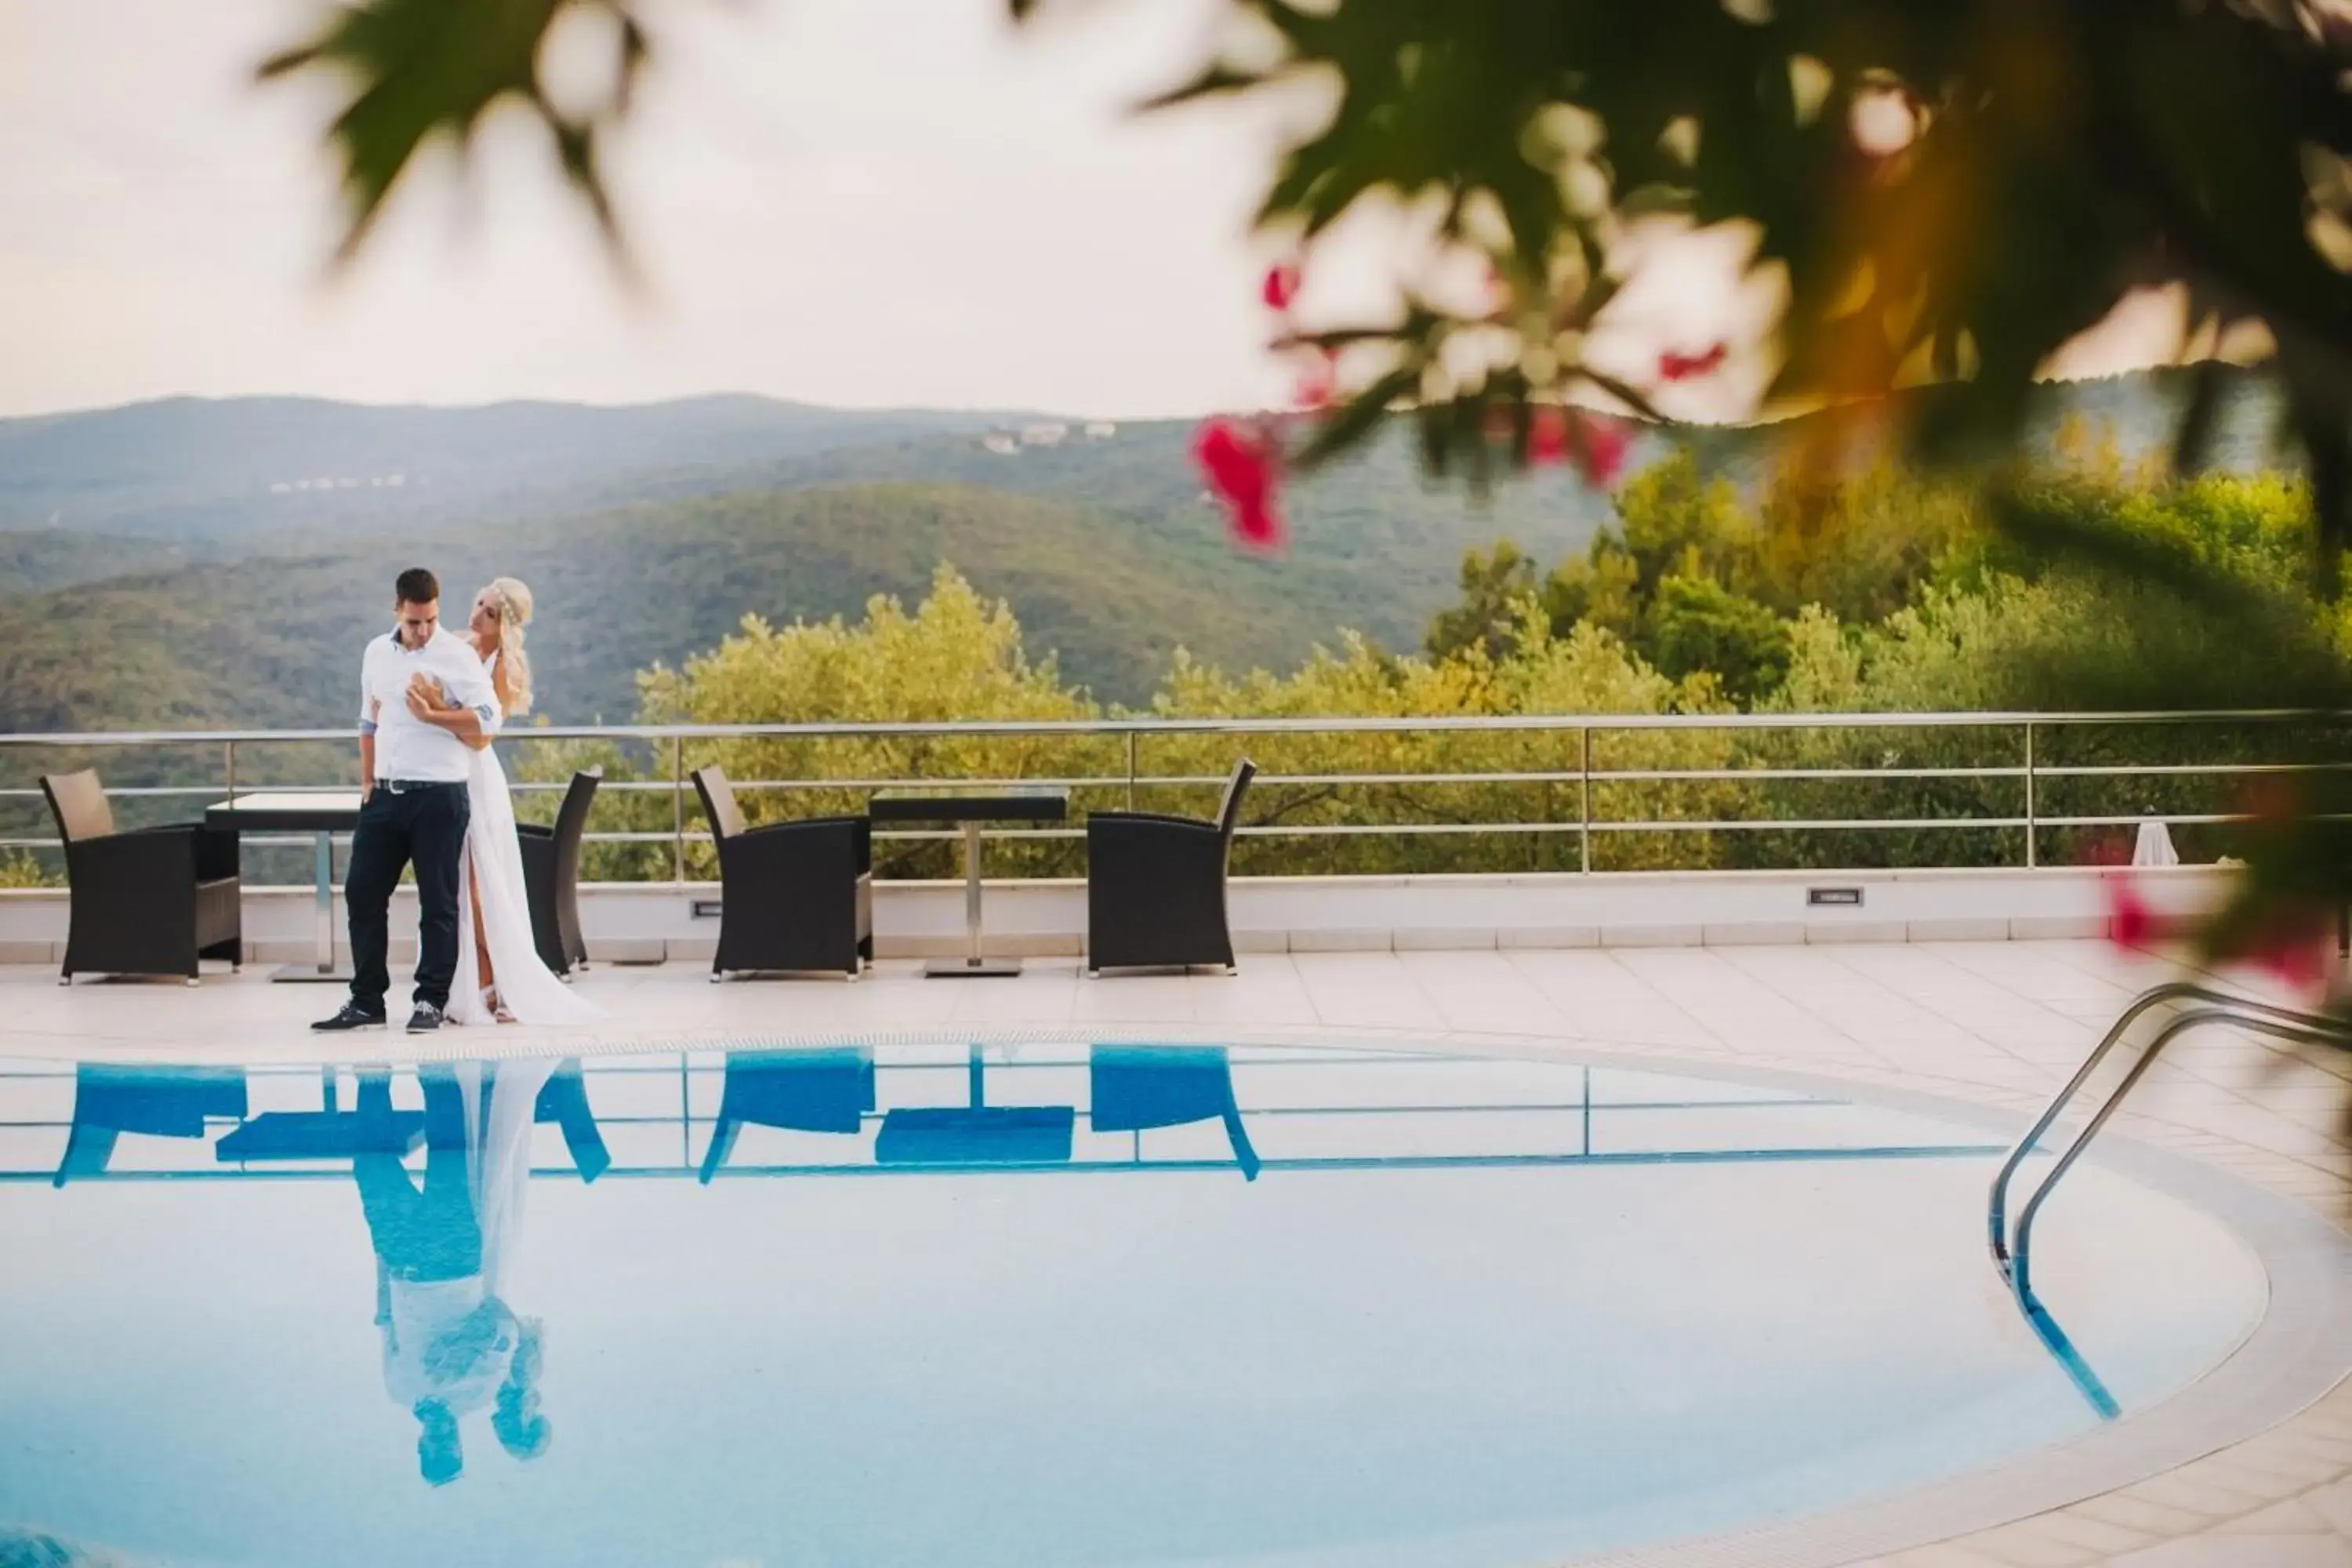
pixel 1999 1024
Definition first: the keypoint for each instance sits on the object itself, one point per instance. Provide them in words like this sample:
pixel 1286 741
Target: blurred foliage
pixel 422 69
pixel 1951 190
pixel 18 868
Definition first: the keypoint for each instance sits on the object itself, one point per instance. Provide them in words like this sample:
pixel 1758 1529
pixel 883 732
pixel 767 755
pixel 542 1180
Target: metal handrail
pixel 1997 1204
pixel 1594 816
pixel 1301 726
pixel 2012 1258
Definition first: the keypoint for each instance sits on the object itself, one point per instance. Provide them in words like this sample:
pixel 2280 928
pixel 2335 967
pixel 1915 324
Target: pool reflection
pixel 444 1248
pixel 1426 1324
pixel 161 1102
pixel 1134 1089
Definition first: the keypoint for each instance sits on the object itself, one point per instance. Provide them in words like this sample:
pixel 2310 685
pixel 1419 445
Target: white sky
pixel 857 202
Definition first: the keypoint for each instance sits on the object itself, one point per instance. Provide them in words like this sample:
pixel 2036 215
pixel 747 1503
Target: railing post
pixel 1132 736
pixel 230 748
pixel 677 808
pixel 2030 858
pixel 1584 798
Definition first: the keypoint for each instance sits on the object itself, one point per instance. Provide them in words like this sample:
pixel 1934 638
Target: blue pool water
pixel 1024 1306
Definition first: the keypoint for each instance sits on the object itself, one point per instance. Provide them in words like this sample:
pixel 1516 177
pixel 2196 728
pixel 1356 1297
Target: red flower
pixel 2130 922
pixel 1547 435
pixel 1600 449
pixel 1317 384
pixel 1242 469
pixel 2298 947
pixel 1594 443
pixel 1281 286
pixel 1675 365
pixel 2303 966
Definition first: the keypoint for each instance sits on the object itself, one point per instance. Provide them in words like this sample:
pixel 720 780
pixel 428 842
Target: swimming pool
pixel 1024 1303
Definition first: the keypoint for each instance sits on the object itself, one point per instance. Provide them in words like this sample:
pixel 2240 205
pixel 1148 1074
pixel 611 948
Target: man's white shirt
pixel 406 747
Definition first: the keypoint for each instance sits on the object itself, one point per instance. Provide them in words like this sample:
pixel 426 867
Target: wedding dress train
pixel 492 867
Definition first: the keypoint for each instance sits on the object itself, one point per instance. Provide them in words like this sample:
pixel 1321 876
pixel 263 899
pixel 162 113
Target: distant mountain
pixel 181 587
pixel 193 468
pixel 273 640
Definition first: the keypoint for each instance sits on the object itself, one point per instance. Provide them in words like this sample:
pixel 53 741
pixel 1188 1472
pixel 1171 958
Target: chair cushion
pixel 79 802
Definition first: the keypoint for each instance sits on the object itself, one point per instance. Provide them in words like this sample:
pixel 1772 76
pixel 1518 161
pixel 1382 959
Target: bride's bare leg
pixel 482 937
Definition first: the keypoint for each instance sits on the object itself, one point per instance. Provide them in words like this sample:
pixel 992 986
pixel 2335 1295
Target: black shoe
pixel 353 1016
pixel 424 1020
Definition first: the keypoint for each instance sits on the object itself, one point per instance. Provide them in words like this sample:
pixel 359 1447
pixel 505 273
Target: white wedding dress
pixel 493 863
pixel 409 1315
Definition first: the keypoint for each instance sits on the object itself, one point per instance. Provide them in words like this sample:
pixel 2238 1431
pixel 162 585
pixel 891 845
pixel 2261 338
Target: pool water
pixel 1024 1305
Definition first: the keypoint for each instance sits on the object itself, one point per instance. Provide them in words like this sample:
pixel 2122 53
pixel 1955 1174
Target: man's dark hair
pixel 416 586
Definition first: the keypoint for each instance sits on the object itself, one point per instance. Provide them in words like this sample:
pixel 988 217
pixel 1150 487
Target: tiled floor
pixel 1996 1022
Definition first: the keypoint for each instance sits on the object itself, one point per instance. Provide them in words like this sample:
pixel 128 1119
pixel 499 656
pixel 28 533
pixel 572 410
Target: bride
pixel 515 985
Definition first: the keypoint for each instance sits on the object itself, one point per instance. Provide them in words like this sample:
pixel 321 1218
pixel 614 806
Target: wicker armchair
pixel 551 876
pixel 150 900
pixel 794 895
pixel 1156 886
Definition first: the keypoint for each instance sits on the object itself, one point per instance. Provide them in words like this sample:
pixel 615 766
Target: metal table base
pixel 971 966
pixel 320 970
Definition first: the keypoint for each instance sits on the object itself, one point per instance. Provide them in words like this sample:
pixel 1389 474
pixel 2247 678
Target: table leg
pixel 972 893
pixel 325 931
pixel 971 964
pixel 322 966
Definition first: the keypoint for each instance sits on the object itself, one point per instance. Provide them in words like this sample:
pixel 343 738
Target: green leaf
pixel 1357 419
pixel 418 69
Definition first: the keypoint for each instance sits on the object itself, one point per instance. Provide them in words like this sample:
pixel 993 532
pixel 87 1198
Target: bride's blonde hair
pixel 510 597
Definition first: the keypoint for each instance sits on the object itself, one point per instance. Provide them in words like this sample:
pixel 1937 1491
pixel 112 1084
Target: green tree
pixel 1696 624
pixel 1487 612
pixel 1672 517
pixel 20 869
pixel 955 655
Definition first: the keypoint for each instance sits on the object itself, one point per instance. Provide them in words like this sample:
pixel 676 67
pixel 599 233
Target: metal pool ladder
pixel 2013 1254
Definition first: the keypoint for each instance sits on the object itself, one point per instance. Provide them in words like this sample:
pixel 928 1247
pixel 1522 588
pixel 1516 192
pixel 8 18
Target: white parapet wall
pixel 647 923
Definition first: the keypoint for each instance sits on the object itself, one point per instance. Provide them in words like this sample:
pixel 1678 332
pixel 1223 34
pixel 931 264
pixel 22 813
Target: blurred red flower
pixel 1547 435
pixel 2131 922
pixel 1317 384
pixel 1281 286
pixel 1242 469
pixel 1599 447
pixel 1675 365
pixel 2297 946
pixel 1594 443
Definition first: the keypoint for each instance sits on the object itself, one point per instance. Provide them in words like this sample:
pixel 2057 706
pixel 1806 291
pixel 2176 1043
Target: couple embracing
pixel 434 797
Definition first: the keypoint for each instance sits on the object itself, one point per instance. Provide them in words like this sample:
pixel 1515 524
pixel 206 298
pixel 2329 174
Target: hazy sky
pixel 843 201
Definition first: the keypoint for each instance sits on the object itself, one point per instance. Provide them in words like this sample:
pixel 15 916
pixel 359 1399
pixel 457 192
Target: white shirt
pixel 406 747
pixel 422 1313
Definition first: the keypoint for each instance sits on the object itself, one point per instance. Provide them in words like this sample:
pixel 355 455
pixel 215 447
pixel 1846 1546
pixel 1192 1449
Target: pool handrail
pixel 2011 1257
pixel 1997 1206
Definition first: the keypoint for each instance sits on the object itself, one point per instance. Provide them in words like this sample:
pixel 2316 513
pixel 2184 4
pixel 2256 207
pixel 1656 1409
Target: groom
pixel 413 806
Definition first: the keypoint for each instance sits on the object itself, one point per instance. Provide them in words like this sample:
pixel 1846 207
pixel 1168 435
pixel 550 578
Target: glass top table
pixel 968 808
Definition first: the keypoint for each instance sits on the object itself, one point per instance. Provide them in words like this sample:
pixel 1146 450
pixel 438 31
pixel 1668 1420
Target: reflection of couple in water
pixel 451 1343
